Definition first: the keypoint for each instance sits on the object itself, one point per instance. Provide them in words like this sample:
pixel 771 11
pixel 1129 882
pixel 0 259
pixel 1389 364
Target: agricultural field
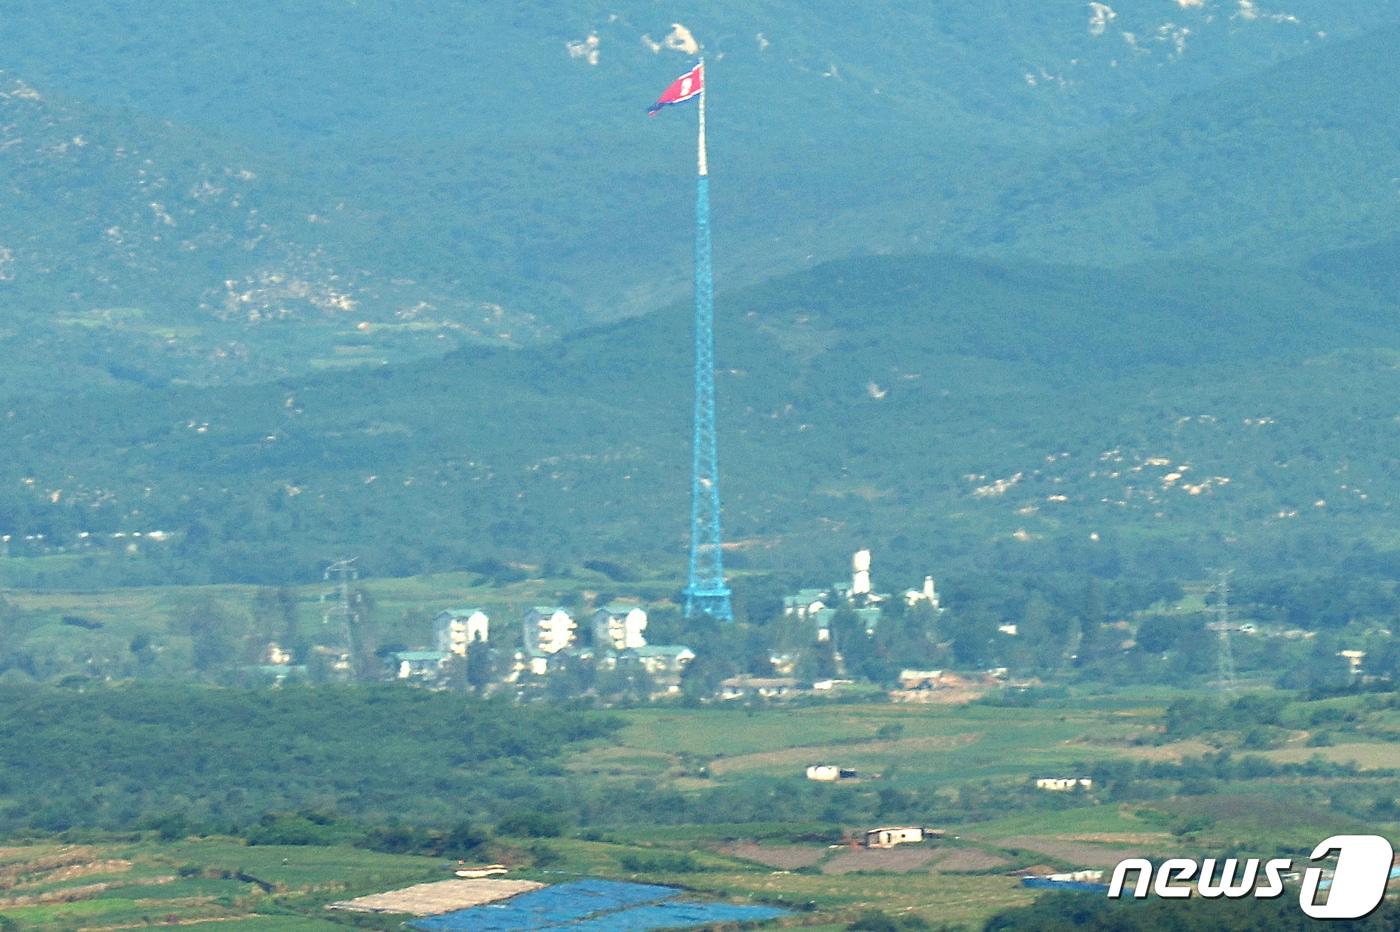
pixel 723 809
pixel 130 884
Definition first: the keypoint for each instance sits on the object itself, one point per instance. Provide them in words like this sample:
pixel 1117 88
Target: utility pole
pixel 1224 656
pixel 337 609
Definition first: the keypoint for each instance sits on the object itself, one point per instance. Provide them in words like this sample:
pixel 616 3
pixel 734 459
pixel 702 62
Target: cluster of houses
pixel 614 637
pixel 550 637
pixel 618 640
pixel 820 606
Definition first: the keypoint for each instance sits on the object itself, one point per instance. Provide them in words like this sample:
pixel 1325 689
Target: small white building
pixel 533 663
pixel 889 837
pixel 548 630
pixel 928 594
pixel 456 629
pixel 419 664
pixel 663 664
pixel 619 627
pixel 663 658
pixel 336 658
pixel 1063 784
pixel 804 603
pixel 766 687
pixel 830 773
pixel 920 679
pixel 869 618
pixel 1353 659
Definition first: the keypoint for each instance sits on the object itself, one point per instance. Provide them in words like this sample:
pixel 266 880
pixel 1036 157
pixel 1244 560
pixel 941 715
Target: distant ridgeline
pixel 226 206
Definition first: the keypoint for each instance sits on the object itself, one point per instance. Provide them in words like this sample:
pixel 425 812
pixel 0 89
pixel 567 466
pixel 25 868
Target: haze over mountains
pixel 1178 223
pixel 468 158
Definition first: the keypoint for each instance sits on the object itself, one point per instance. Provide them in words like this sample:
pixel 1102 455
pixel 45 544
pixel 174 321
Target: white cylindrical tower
pixel 860 573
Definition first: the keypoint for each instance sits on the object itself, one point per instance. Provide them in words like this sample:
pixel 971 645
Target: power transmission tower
pixel 706 592
pixel 1224 657
pixel 337 608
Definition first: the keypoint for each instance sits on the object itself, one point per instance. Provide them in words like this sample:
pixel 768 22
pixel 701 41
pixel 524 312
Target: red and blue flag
pixel 686 87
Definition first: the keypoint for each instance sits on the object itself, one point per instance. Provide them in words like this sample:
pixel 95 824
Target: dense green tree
pixel 215 634
pixel 481 665
pixel 1158 634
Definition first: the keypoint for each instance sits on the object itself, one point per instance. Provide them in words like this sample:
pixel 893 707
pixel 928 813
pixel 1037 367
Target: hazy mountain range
pixel 982 268
pixel 490 172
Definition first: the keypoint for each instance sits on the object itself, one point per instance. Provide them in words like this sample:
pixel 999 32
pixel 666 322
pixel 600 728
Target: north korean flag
pixel 682 89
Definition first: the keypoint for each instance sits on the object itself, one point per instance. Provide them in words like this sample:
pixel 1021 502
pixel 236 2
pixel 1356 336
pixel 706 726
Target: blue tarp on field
pixel 674 915
pixel 593 906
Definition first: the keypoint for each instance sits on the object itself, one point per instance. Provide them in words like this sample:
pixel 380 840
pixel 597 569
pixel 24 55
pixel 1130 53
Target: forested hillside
pixel 1277 166
pixel 235 199
pixel 950 413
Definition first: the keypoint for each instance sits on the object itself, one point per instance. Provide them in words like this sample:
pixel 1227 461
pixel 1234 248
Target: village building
pixel 821 605
pixel 869 618
pixel 278 673
pixel 548 630
pixel 803 603
pixel 764 687
pixel 920 679
pixel 784 664
pixel 830 773
pixel 335 659
pixel 664 663
pixel 619 627
pixel 898 835
pixel 419 664
pixel 927 595
pixel 535 663
pixel 456 629
pixel 1063 784
pixel 663 658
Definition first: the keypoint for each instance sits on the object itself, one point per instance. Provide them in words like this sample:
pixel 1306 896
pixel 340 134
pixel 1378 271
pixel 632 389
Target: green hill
pixel 289 282
pixel 1290 162
pixel 952 413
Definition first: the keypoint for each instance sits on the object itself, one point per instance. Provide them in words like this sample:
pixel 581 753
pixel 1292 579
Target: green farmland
pixel 710 798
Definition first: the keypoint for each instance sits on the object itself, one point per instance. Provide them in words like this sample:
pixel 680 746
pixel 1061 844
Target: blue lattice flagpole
pixel 706 592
